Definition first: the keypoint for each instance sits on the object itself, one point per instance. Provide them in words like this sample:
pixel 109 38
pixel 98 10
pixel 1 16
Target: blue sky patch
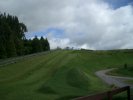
pixel 119 3
pixel 56 32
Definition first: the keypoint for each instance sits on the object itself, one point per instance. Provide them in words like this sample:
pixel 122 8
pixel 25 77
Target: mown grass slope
pixel 59 75
pixel 122 71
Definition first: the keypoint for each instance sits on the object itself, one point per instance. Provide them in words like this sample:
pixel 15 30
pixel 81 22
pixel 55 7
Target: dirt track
pixel 113 80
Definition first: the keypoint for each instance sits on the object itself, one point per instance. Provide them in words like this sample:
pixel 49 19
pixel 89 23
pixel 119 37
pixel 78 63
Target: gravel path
pixel 116 80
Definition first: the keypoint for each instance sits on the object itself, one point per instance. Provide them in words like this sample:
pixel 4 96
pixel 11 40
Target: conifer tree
pixel 2 50
pixel 10 48
pixel 13 41
pixel 36 45
pixel 43 43
pixel 47 45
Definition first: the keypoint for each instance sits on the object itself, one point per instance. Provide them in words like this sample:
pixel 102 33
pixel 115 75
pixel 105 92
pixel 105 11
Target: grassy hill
pixel 59 75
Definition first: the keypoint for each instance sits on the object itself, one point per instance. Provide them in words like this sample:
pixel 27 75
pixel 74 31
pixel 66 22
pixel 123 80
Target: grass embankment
pixel 129 81
pixel 122 71
pixel 60 75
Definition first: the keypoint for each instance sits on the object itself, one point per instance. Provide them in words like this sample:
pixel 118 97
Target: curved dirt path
pixel 116 80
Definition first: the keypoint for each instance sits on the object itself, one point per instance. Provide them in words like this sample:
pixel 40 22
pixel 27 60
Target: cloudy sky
pixel 89 24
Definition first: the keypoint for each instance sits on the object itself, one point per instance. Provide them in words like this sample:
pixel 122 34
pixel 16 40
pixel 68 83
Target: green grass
pixel 121 71
pixel 129 81
pixel 59 75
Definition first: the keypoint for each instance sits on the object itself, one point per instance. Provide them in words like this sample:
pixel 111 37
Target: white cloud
pixel 57 42
pixel 87 23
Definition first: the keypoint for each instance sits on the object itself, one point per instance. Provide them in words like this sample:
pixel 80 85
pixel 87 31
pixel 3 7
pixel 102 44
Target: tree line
pixel 13 41
pixel 36 45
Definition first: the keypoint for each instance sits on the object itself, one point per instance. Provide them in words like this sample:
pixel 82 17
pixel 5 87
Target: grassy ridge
pixel 59 75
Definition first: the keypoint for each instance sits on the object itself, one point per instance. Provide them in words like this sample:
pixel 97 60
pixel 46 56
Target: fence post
pixel 109 95
pixel 128 93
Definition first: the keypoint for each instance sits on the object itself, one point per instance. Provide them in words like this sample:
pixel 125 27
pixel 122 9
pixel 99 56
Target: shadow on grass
pixel 46 90
pixel 76 78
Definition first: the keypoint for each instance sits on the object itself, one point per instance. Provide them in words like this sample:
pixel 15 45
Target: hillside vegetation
pixel 58 75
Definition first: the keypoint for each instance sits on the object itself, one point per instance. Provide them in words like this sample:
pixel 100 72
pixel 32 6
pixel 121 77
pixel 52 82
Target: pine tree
pixel 11 50
pixel 12 33
pixel 43 43
pixel 47 45
pixel 36 45
pixel 27 46
pixel 2 50
pixel 13 41
pixel 19 46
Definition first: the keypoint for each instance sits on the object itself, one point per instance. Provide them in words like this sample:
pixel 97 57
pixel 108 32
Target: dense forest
pixel 13 41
